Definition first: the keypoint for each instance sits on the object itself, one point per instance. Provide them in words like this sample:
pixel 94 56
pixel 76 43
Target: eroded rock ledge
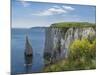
pixel 59 37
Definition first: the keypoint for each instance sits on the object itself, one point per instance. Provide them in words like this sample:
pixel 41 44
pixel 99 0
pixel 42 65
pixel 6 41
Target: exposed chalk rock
pixel 58 40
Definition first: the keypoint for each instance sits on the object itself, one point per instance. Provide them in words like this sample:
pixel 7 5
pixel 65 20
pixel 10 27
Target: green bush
pixel 84 53
pixel 82 56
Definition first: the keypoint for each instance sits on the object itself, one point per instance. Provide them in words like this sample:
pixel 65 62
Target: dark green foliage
pixel 47 57
pixel 82 56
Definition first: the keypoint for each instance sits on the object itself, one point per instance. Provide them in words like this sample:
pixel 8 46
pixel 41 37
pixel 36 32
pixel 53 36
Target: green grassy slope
pixel 73 24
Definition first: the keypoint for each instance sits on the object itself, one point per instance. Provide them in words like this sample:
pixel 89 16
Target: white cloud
pixel 51 11
pixel 44 13
pixel 56 6
pixel 24 3
pixel 68 8
pixel 54 10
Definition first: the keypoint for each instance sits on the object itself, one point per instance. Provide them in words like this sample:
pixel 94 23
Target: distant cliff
pixel 59 36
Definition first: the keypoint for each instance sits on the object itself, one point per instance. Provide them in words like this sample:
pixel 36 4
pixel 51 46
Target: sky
pixel 26 14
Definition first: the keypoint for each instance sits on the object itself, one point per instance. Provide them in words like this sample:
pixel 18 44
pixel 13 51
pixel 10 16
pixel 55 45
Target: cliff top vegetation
pixel 73 24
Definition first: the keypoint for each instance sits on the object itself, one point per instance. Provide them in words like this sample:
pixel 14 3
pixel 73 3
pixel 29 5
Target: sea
pixel 36 38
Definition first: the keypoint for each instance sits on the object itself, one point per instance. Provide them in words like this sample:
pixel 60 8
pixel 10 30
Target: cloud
pixel 56 6
pixel 50 11
pixel 68 8
pixel 54 10
pixel 24 3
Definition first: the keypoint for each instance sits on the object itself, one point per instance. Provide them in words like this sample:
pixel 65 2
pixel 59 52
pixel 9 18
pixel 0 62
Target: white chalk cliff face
pixel 58 41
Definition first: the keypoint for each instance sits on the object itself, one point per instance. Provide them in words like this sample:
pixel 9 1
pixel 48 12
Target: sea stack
pixel 28 48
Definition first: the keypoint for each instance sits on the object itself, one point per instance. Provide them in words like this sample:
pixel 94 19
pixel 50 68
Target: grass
pixel 73 24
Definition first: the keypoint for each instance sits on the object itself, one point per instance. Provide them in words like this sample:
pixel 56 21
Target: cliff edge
pixel 59 36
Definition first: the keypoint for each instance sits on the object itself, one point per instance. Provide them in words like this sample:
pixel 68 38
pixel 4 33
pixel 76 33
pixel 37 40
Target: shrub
pixel 82 56
pixel 84 53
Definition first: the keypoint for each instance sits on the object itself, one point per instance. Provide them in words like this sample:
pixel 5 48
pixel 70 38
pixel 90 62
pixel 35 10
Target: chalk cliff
pixel 58 40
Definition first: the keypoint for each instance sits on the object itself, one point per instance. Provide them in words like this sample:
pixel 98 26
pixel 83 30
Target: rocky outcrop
pixel 59 39
pixel 28 48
